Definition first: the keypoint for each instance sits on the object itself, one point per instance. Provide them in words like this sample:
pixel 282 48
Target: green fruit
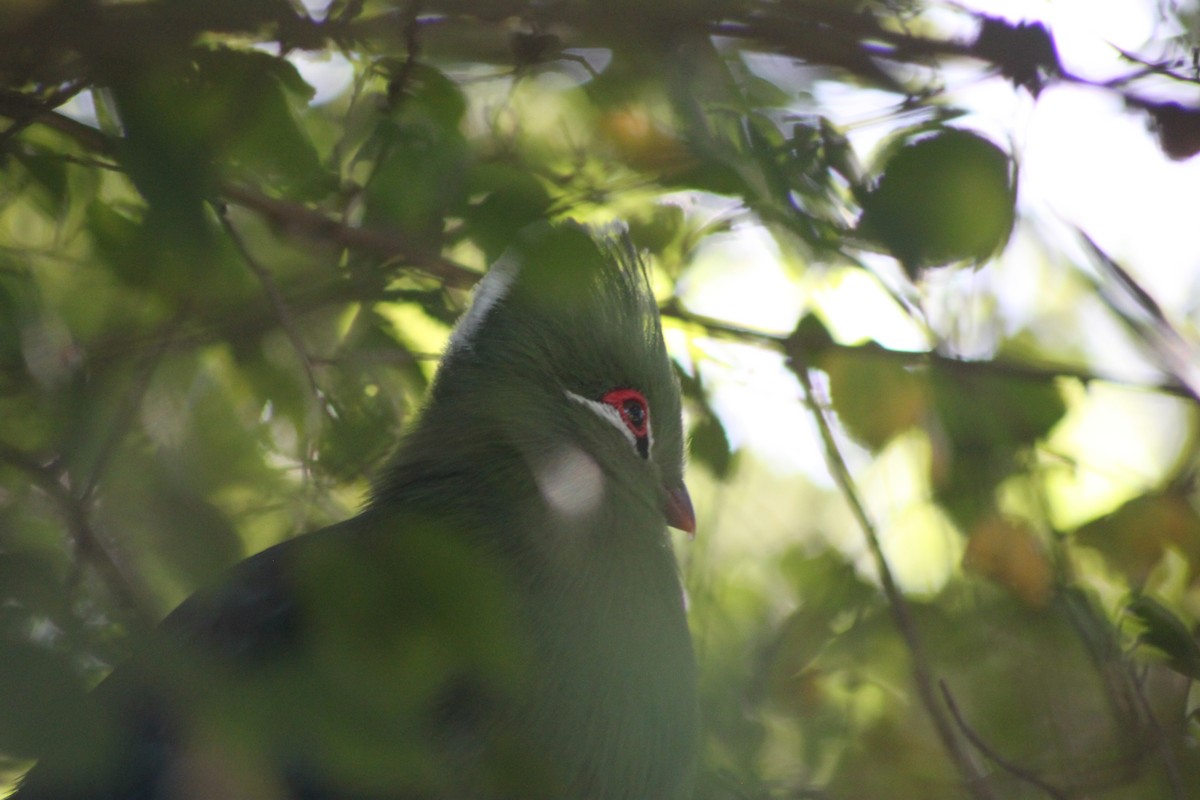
pixel 942 198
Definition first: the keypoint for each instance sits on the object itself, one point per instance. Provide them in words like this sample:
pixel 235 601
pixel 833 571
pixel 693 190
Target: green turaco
pixel 504 620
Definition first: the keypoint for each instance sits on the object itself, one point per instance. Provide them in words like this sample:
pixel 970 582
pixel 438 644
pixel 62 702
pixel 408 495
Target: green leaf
pixel 983 410
pixel 512 199
pixel 49 172
pixel 875 396
pixel 709 445
pixel 118 239
pixel 1168 634
pixel 986 420
pixel 168 156
pixel 426 94
pixel 41 699
pixel 420 176
pixel 251 117
pixel 1135 537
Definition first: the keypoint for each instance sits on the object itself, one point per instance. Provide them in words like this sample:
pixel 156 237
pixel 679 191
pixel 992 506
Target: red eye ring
pixel 633 408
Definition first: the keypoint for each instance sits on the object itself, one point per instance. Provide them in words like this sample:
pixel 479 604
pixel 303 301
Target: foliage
pixel 223 288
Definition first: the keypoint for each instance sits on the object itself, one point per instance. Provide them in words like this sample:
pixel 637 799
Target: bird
pixel 503 619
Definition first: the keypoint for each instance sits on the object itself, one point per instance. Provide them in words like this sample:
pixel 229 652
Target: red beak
pixel 680 513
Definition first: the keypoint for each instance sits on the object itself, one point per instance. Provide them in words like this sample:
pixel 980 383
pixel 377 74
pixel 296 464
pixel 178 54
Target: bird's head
pixel 562 351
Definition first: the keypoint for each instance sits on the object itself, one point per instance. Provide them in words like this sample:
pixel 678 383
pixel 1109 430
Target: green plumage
pixel 503 620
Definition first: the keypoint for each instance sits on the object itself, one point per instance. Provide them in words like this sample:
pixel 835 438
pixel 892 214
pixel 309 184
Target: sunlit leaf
pixel 875 397
pixel 1135 537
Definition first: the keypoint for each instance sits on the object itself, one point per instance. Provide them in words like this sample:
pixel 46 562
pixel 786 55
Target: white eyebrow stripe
pixel 611 415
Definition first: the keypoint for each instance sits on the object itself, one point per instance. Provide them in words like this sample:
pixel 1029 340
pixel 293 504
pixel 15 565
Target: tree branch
pixel 990 753
pixel 87 541
pixel 976 781
pixel 1022 370
pixel 291 217
pixel 295 218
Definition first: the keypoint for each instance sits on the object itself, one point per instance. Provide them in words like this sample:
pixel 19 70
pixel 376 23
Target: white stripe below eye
pixel 612 416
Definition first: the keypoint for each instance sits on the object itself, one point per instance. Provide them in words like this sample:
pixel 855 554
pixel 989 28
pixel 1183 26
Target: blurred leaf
pixel 811 337
pixel 1177 127
pixel 1135 537
pixel 251 117
pixel 709 445
pixel 1166 632
pixel 945 197
pixel 979 409
pixel 169 157
pixel 31 582
pixel 362 434
pixel 984 421
pixel 1025 52
pixel 658 228
pixel 512 199
pixel 162 516
pixel 229 111
pixel 875 396
pixel 41 700
pixel 49 172
pixel 1009 553
pixel 426 96
pixel 833 597
pixel 13 308
pixel 643 142
pixel 421 164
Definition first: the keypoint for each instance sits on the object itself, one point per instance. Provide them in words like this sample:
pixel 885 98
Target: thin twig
pixel 286 321
pixel 296 218
pixel 87 541
pixel 1023 370
pixel 290 216
pixel 1175 354
pixel 412 48
pixel 127 410
pixel 21 121
pixel 83 135
pixel 976 781
pixel 1159 741
pixel 278 303
pixel 990 753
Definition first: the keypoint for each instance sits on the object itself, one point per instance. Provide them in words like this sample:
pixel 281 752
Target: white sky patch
pixel 856 308
pixel 739 278
pixel 81 108
pixel 759 403
pixel 1150 429
pixel 1097 166
pixel 329 73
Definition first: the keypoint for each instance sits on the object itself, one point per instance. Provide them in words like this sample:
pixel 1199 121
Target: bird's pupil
pixel 635 412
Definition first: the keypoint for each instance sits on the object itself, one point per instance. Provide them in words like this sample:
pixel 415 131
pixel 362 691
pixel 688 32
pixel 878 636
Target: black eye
pixel 635 412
